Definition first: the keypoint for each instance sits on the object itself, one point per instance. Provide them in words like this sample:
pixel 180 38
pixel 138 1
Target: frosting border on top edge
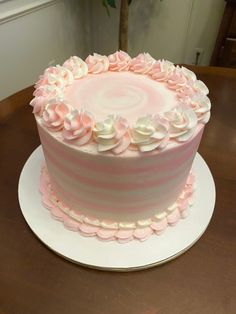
pixel 114 134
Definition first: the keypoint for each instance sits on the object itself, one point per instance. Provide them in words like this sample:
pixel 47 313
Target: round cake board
pixel 113 256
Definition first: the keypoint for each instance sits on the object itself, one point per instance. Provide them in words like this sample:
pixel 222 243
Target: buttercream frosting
pixel 115 92
pixel 54 114
pixel 97 63
pixel 142 63
pixel 119 61
pixel 149 133
pixel 76 66
pixel 78 127
pixel 110 230
pixel 119 137
pixel 112 134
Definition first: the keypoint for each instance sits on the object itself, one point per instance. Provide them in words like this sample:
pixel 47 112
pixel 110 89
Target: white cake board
pixel 114 256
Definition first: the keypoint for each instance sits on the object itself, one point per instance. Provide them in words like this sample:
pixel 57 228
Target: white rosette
pixel 149 133
pixel 182 123
pixel 201 105
pixel 200 87
pixel 112 134
pixel 190 75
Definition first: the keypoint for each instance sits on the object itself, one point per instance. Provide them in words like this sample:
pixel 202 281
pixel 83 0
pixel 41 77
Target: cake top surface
pixel 124 93
pixel 116 103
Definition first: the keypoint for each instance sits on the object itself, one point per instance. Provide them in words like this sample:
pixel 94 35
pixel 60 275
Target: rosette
pixel 200 87
pixel 112 134
pixel 176 80
pixel 149 133
pixel 58 76
pixel 97 63
pixel 161 70
pixel 77 67
pixel 38 103
pixel 78 126
pixel 54 114
pixel 201 105
pixel 182 123
pixel 119 61
pixel 49 91
pixel 142 63
pixel 190 75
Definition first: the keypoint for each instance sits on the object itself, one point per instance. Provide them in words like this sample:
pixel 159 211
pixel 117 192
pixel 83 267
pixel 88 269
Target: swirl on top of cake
pixel 120 103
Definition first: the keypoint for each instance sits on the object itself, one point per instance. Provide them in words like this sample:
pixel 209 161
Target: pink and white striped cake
pixel 119 136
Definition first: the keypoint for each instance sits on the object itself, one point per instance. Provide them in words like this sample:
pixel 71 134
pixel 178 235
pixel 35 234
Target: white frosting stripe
pixel 109 200
pixel 112 230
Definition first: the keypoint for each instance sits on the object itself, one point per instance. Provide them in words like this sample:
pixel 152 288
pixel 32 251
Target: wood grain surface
pixel 34 280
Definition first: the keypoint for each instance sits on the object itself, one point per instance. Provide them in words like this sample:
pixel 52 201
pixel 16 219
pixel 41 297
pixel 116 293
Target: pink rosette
pixel 142 63
pixel 161 70
pixel 49 91
pixel 119 61
pixel 112 134
pixel 58 76
pixel 38 103
pixel 66 75
pixel 149 133
pixel 97 63
pixel 186 91
pixel 77 67
pixel 54 114
pixel 78 127
pixel 176 80
pixel 182 122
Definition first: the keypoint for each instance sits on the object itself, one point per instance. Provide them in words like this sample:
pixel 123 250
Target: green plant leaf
pixel 112 3
pixel 104 3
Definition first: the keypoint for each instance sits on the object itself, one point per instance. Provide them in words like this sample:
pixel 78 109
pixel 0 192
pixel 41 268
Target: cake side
pixel 112 230
pixel 124 188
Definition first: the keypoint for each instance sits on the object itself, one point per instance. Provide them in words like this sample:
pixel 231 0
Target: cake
pixel 119 136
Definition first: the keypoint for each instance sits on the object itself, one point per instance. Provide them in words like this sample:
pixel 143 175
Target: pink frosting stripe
pixel 112 196
pixel 163 173
pixel 110 185
pixel 82 202
pixel 163 166
pixel 120 235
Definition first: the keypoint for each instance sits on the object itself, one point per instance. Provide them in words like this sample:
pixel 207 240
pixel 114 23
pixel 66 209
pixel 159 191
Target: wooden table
pixel 35 280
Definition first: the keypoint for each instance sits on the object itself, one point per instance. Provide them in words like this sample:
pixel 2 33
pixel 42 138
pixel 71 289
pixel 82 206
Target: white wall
pixel 44 35
pixel 51 31
pixel 170 29
pixel 203 28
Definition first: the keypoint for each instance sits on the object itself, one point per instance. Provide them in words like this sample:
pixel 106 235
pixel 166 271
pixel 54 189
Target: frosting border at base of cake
pixel 111 230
